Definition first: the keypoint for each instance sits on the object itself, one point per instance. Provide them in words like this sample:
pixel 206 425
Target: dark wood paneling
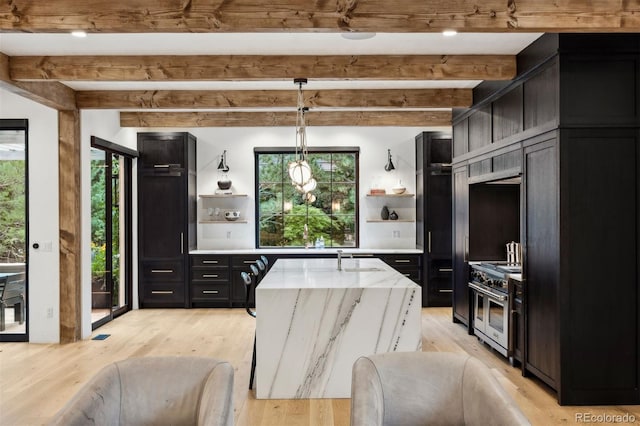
pixel 541 266
pixel 595 91
pixel 600 300
pixel 541 96
pixel 507 161
pixel 461 137
pixel 479 168
pixel 461 300
pixel 507 114
pixel 480 128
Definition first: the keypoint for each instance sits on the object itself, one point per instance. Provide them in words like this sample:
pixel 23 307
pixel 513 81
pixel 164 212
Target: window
pixel 281 214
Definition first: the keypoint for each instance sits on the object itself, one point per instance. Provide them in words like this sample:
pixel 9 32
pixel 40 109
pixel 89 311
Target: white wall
pixel 44 266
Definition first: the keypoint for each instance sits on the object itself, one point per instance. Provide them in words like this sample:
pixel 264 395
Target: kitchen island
pixel 314 321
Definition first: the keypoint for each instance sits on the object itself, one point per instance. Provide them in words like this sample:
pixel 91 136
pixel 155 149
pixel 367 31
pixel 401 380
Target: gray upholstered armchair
pixel 154 391
pixel 420 388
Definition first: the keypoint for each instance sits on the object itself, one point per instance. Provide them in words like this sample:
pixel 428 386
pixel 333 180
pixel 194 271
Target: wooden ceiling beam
pixel 175 16
pixel 270 119
pixel 50 93
pixel 269 67
pixel 194 99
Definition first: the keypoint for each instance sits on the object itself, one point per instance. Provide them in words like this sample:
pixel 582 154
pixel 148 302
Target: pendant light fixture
pixel 299 168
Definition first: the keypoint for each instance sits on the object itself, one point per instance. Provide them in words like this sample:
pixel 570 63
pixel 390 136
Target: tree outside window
pixel 282 213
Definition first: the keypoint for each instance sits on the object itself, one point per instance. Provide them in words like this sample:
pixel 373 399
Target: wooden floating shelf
pixel 391 195
pixel 222 195
pixel 389 220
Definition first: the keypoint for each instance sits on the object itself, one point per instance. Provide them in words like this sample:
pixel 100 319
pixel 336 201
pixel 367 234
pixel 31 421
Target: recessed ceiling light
pixel 357 35
pixel 449 33
pixel 79 33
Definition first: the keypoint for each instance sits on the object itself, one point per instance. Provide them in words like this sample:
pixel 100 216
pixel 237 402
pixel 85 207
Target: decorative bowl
pixel 399 190
pixel 224 184
pixel 232 215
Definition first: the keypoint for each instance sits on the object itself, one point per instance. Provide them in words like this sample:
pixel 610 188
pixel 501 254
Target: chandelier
pixel 299 169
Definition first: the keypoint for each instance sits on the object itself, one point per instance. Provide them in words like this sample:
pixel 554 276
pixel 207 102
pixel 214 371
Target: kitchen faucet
pixel 340 260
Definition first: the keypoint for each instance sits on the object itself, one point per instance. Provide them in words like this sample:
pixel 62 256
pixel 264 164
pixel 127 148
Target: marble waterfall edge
pixel 309 338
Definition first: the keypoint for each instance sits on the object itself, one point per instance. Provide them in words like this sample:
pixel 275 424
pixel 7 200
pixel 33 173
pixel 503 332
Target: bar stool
pixel 250 281
pixel 262 267
pixel 265 261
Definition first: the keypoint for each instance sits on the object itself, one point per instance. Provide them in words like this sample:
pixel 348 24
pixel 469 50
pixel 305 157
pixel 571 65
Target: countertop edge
pixel 310 252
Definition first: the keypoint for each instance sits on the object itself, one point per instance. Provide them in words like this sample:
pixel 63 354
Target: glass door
pixel 13 230
pixel 110 233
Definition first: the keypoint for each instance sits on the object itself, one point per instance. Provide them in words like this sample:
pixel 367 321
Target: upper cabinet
pixel 161 151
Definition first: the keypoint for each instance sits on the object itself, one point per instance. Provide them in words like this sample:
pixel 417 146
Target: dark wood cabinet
pixel 480 128
pixel 460 250
pixel 579 154
pixel 540 266
pixel 210 281
pixel 433 216
pixel 166 220
pixel 410 265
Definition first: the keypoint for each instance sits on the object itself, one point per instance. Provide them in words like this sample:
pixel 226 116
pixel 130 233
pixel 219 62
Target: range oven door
pixel 491 318
pixel 497 321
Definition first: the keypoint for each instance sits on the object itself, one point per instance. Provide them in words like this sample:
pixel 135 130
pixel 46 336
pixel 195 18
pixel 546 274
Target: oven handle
pixel 487 293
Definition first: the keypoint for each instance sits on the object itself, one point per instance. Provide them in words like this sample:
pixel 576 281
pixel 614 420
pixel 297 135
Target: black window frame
pixel 315 150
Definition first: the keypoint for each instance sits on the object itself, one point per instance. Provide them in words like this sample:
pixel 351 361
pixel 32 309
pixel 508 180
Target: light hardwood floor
pixel 36 380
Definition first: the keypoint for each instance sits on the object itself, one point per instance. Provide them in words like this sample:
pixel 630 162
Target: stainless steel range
pixel 491 319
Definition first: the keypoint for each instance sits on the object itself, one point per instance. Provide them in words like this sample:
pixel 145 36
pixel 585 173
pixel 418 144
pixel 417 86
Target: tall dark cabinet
pixel 569 128
pixel 166 217
pixel 433 216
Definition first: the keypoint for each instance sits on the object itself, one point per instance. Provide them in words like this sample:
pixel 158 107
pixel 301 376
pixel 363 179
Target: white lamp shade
pixel 299 172
pixel 310 185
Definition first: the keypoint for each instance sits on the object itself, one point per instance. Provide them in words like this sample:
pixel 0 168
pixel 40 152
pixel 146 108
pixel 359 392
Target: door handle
pixel 429 241
pixel 162 271
pixel 182 243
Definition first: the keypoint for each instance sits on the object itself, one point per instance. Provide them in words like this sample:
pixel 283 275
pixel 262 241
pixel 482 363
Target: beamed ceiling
pixel 189 63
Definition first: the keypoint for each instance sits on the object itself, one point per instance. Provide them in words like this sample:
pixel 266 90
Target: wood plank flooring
pixel 36 380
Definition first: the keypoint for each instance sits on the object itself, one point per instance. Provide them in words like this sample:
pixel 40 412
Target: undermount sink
pixel 373 269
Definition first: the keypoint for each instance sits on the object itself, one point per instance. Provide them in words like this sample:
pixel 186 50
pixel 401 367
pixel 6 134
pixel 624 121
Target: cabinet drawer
pixel 209 261
pixel 412 273
pixel 209 291
pixel 400 260
pixel 164 271
pixel 163 293
pixel 244 261
pixel 210 274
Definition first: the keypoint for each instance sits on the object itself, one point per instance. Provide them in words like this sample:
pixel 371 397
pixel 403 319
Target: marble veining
pixel 314 322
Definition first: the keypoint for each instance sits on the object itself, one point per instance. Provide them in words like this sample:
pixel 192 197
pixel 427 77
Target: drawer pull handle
pixel 402 261
pixel 209 275
pixel 407 275
pixel 445 270
pixel 162 292
pixel 445 291
pixel 161 166
pixel 162 271
pixel 210 292
pixel 215 262
pixel 248 261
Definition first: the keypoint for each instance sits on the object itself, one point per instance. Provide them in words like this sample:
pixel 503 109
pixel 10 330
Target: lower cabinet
pixel 409 265
pixel 209 283
pixel 215 281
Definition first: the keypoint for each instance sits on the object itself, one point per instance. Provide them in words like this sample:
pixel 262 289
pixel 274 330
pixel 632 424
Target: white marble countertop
pixel 310 251
pixel 323 273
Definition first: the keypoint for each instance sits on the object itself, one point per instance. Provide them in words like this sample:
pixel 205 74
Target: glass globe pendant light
pixel 299 169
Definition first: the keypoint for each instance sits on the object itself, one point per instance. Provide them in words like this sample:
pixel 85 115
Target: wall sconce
pixel 389 166
pixel 223 162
